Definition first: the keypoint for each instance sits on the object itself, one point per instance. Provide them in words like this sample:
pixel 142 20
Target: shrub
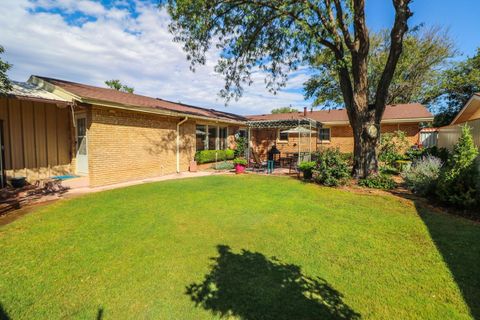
pixel 241 145
pixel 386 169
pixel 206 156
pixel 223 166
pixel 418 153
pixel 331 169
pixel 423 175
pixel 392 145
pixel 307 168
pixel 377 181
pixel 241 161
pixel 458 182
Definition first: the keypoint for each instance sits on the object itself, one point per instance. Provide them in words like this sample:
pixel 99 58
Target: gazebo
pixel 304 127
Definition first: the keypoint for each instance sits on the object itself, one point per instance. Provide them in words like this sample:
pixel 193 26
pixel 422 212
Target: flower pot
pixel 307 175
pixel 239 168
pixel 193 166
pixel 18 182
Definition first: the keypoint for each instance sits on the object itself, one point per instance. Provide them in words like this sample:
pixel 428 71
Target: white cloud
pixel 139 51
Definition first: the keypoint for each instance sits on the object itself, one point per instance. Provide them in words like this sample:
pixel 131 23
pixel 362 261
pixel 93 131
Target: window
pixel 223 134
pixel 282 136
pixel 201 137
pixel 324 134
pixel 212 138
pixel 242 133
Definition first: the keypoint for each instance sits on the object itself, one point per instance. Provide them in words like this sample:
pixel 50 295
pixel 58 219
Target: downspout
pixel 178 142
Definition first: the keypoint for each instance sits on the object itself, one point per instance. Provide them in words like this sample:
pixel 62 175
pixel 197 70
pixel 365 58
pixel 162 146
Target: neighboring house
pixel 469 115
pixel 334 129
pixel 55 127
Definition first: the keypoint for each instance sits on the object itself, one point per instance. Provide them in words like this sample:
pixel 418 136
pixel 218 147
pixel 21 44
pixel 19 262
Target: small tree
pixel 117 85
pixel 458 183
pixel 5 84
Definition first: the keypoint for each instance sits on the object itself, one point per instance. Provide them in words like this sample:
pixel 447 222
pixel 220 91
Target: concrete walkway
pixel 80 186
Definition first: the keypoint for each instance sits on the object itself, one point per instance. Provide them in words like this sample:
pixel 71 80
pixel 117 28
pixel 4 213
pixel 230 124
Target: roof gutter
pixel 178 142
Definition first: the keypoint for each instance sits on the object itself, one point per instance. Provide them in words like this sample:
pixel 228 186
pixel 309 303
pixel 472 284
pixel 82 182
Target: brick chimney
pixel 304 111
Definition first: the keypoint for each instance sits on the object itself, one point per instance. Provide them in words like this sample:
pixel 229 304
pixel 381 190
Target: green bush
pixel 386 169
pixel 458 183
pixel 307 168
pixel 241 161
pixel 331 168
pixel 206 156
pixel 378 181
pixel 392 146
pixel 418 153
pixel 423 175
pixel 241 145
pixel 223 166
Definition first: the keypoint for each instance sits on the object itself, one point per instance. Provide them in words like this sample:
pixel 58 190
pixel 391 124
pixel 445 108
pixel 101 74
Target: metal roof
pixel 32 91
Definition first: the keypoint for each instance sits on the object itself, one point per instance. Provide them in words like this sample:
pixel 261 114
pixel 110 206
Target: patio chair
pixel 257 163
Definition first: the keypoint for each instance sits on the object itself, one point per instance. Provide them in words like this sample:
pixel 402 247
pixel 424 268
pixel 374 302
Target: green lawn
pixel 247 247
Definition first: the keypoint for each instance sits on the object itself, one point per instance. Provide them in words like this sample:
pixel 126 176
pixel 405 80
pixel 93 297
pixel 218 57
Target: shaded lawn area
pixel 249 247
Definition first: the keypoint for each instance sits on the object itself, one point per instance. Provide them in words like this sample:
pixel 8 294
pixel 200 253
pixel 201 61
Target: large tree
pixel 278 35
pixel 456 87
pixel 284 110
pixel 425 55
pixel 5 84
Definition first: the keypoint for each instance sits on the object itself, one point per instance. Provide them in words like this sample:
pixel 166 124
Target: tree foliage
pixel 456 87
pixel 425 54
pixel 117 85
pixel 5 84
pixel 284 110
pixel 277 36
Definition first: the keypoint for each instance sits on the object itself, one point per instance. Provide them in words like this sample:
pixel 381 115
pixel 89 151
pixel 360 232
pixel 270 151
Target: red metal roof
pixel 130 99
pixel 399 111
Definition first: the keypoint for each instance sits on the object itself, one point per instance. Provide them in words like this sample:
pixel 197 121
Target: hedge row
pixel 206 156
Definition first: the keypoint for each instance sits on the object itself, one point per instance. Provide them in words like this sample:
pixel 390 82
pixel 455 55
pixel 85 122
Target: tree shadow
pixel 459 244
pixel 3 314
pixel 251 286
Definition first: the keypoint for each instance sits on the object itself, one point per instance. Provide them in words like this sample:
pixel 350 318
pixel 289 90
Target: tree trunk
pixel 366 134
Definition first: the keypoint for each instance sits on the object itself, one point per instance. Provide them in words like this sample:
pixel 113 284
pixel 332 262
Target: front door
pixel 82 154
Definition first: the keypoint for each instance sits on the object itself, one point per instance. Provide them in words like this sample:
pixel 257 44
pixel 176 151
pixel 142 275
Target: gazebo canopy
pixel 298 129
pixel 283 123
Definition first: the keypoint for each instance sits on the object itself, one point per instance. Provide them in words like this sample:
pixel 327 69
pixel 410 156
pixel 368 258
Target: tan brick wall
pixel 340 137
pixel 125 145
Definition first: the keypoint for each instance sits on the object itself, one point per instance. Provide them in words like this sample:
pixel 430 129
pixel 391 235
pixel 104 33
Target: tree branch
pixel 400 27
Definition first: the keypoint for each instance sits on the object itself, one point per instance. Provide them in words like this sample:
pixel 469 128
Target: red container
pixel 239 168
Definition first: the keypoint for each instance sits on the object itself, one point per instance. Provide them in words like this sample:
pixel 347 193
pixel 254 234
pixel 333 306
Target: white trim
pixel 474 97
pixel 178 142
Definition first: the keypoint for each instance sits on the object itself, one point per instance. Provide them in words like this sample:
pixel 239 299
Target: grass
pixel 247 247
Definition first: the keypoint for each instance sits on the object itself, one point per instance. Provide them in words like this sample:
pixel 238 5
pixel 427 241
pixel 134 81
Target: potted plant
pixel 240 164
pixel 307 168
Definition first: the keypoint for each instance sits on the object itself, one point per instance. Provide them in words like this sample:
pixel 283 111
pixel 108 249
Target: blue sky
pixel 92 41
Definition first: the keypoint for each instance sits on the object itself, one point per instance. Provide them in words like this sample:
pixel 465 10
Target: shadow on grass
pixel 3 314
pixel 459 244
pixel 100 313
pixel 251 286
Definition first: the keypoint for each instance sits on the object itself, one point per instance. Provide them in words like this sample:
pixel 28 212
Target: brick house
pixel 51 127
pixel 54 127
pixel 335 130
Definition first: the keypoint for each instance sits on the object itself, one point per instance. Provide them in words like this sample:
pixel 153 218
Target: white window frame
pixel 217 138
pixel 278 136
pixel 329 134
